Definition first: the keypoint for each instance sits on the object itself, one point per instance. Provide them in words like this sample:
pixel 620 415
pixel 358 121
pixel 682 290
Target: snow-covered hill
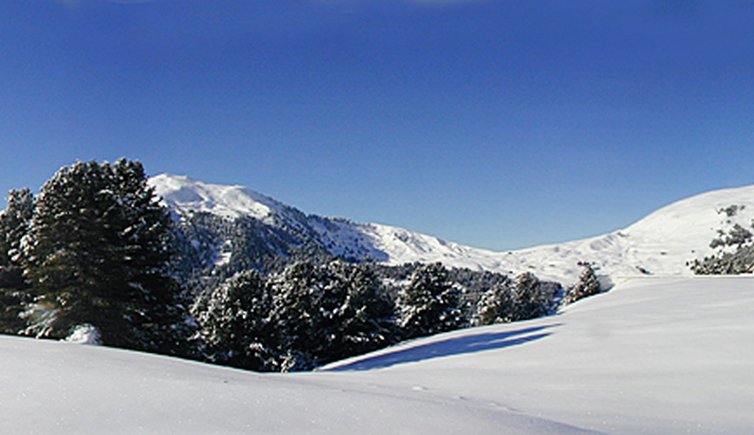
pixel 654 355
pixel 659 244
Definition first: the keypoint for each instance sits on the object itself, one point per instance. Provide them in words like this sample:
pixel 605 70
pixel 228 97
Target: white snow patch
pixel 85 334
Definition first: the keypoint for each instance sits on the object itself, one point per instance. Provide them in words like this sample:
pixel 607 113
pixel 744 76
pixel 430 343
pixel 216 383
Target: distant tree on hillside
pixel 530 298
pixel 587 285
pixel 734 249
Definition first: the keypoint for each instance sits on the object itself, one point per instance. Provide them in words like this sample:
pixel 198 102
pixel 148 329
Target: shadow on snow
pixel 450 346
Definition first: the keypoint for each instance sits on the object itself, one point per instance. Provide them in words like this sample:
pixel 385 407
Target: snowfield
pixel 654 355
pixel 659 244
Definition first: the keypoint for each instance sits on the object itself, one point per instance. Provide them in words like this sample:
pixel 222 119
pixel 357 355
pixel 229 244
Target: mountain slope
pixel 659 244
pixel 654 355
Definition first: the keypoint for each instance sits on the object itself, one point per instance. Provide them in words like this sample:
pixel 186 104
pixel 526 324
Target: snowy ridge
pixel 184 193
pixel 659 244
pixel 653 355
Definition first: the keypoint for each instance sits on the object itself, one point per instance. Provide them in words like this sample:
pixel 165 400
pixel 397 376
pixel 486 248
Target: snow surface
pixel 659 244
pixel 654 355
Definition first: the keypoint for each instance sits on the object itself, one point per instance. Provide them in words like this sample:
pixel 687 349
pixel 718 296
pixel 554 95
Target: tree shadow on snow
pixel 451 346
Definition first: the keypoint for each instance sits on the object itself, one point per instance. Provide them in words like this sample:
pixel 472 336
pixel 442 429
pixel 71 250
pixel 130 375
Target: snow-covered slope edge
pixel 659 244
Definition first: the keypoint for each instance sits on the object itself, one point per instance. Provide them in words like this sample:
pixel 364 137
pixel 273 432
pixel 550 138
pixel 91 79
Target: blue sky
pixel 499 124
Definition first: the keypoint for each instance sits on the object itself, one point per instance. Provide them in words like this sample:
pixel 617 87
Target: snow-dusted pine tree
pixel 14 224
pixel 98 251
pixel 234 323
pixel 530 299
pixel 365 321
pixel 495 306
pixel 588 285
pixel 300 314
pixel 429 303
pixel 327 312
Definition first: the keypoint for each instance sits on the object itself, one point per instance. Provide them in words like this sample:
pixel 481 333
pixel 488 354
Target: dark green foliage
pixel 429 303
pixel 13 298
pixel 588 285
pixel 14 294
pixel 524 298
pixel 306 316
pixel 531 298
pixel 235 323
pixel 301 310
pixel 330 311
pixel 497 305
pixel 99 249
pixel 365 320
pixel 14 225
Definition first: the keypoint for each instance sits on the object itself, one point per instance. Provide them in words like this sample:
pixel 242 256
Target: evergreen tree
pixel 495 306
pixel 13 298
pixel 99 249
pixel 429 304
pixel 588 285
pixel 364 320
pixel 299 314
pixel 330 311
pixel 530 300
pixel 14 224
pixel 234 323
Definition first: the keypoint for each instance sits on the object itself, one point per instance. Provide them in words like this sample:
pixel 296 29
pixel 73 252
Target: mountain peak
pixel 229 201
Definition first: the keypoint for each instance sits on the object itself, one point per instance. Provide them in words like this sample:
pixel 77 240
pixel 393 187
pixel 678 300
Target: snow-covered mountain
pixel 654 355
pixel 659 244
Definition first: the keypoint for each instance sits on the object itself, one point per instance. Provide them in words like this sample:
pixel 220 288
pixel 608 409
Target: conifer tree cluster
pixel 734 249
pixel 304 316
pixel 522 298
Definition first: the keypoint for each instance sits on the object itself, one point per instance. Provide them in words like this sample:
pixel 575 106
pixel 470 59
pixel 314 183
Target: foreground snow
pixel 668 355
pixel 659 244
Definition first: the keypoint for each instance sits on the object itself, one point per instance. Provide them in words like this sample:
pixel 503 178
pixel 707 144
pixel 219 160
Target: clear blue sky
pixel 499 124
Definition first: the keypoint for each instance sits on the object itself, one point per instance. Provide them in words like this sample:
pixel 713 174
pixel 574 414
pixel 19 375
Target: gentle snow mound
pixel 85 334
